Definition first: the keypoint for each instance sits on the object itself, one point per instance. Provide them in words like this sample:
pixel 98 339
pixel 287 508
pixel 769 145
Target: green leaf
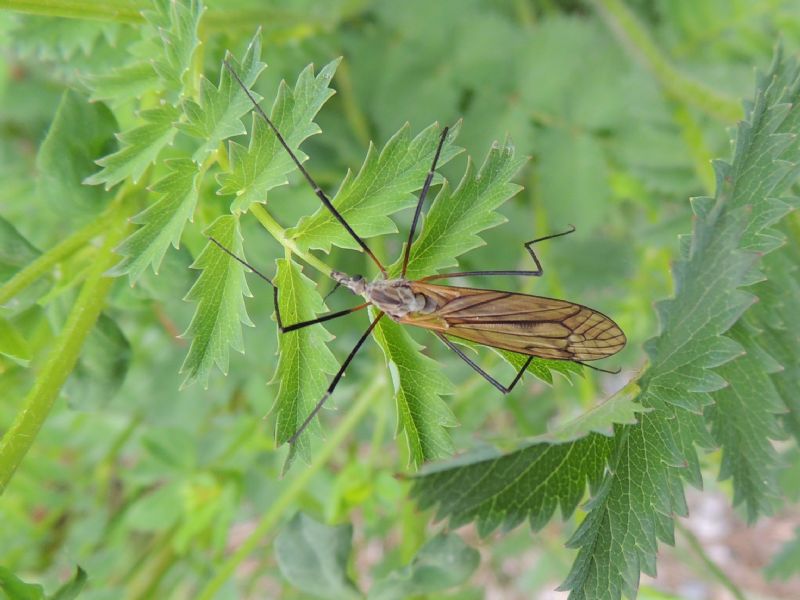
pixel 73 588
pixel 264 164
pixel 445 561
pixel 313 557
pixel 383 186
pixel 542 368
pixel 456 218
pixel 496 489
pixel 80 132
pixel 15 250
pixel 125 83
pixel 101 368
pixel 16 589
pixel 422 415
pixel 140 146
pixel 218 114
pixel 219 293
pixel 177 24
pixel 162 222
pixel 305 364
pixel 621 408
pixel 13 344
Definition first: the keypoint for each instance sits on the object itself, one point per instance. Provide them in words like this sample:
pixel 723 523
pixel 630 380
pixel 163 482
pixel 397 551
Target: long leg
pixel 317 190
pixel 483 373
pixel 336 379
pixel 421 200
pixel 528 246
pixel 294 326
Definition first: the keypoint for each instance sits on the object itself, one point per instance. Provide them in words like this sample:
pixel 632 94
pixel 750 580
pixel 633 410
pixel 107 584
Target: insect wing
pixel 531 325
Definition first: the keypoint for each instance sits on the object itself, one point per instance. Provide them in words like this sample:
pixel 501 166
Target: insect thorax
pixel 396 298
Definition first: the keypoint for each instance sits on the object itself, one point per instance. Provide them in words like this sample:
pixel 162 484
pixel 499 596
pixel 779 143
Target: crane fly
pixel 533 326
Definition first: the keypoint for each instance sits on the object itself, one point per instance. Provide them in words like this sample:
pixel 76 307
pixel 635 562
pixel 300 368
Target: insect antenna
pixel 317 189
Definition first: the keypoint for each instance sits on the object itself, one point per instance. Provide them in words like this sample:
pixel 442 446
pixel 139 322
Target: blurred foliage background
pixel 147 487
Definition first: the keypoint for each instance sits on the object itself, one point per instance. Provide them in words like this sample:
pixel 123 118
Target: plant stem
pixel 279 233
pixel 712 567
pixel 64 353
pixel 294 489
pixel 124 11
pixel 60 251
pixel 633 34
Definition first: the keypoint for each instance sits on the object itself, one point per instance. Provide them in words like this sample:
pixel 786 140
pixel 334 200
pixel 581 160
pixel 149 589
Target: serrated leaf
pixel 621 408
pixel 383 186
pixel 79 133
pixel 451 227
pixel 445 561
pixel 422 415
pixel 305 365
pixel 177 24
pixel 217 116
pixel 529 483
pixel 162 222
pixel 139 147
pixel 542 368
pixel 219 293
pixel 314 556
pixel 265 163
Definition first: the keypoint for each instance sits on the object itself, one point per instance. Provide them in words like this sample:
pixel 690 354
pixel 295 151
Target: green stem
pixel 130 11
pixel 712 567
pixel 64 354
pixel 123 11
pixel 294 489
pixel 57 253
pixel 633 34
pixel 279 233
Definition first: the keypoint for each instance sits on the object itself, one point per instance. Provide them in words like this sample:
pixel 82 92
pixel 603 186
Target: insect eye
pixel 358 278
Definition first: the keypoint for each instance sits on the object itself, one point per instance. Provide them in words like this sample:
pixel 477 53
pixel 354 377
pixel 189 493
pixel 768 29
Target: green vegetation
pixel 136 460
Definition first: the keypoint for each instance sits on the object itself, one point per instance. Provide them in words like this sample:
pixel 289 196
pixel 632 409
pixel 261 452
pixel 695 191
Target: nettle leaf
pixel 456 217
pixel 218 114
pixel 177 24
pixel 314 556
pixel 383 186
pixel 162 222
pixel 264 164
pixel 707 383
pixel 305 365
pixel 503 490
pixel 140 146
pixel 422 415
pixel 219 293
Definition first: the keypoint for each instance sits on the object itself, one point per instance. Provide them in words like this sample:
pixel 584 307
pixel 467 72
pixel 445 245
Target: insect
pixel 525 324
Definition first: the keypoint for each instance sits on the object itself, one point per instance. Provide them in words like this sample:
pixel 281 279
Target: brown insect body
pixel 531 325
